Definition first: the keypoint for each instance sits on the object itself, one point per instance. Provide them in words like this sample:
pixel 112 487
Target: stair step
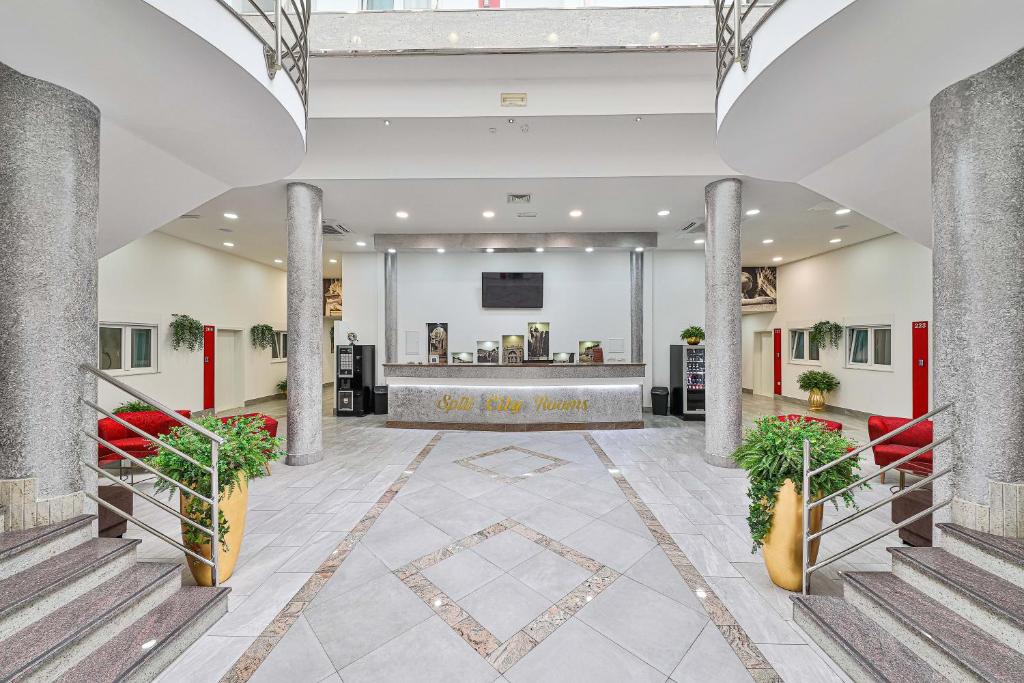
pixel 998 555
pixel 949 642
pixel 61 639
pixel 49 585
pixel 21 549
pixel 141 651
pixel 862 648
pixel 990 602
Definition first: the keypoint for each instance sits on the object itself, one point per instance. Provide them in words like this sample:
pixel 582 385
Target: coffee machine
pixel 355 368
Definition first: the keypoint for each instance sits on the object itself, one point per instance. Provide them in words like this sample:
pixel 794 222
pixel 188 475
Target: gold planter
pixel 783 546
pixel 693 341
pixel 234 507
pixel 816 400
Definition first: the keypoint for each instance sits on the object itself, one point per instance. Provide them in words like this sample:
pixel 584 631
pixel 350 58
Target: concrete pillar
pixel 723 389
pixel 49 193
pixel 391 307
pixel 305 324
pixel 636 307
pixel 978 294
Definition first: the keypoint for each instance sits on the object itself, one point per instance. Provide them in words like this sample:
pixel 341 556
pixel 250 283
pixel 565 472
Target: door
pixel 777 353
pixel 209 351
pixel 228 370
pixel 919 375
pixel 764 363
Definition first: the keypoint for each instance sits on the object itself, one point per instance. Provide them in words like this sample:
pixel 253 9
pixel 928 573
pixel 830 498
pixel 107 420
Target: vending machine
pixel 687 383
pixel 355 368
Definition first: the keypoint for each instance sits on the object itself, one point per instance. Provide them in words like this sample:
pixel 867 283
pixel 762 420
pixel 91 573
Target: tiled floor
pixel 509 557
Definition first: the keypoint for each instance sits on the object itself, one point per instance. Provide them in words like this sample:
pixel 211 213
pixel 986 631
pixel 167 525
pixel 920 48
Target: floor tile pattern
pixel 512 470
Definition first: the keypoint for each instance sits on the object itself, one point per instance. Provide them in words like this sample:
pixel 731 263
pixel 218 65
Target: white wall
pixel 677 301
pixel 362 308
pixel 157 275
pixel 883 281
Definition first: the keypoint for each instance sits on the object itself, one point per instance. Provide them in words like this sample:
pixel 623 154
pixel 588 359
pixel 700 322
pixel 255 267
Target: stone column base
pixel 23 510
pixel 1003 516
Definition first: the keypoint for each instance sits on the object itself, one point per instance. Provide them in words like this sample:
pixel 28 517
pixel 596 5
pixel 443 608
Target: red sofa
pixel 902 444
pixel 149 421
pixel 829 424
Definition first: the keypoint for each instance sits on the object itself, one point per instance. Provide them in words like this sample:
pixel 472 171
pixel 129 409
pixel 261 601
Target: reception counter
pixel 525 397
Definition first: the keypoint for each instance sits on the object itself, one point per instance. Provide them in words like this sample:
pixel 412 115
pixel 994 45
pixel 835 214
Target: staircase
pixel 74 607
pixel 953 613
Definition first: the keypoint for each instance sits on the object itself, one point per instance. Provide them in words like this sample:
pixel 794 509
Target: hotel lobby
pixel 396 342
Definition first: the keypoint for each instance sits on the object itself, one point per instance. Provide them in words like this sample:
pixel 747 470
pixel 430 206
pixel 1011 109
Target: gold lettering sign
pixel 503 403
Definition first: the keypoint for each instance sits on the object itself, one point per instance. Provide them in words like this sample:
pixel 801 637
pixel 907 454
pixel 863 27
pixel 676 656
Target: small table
pixel 113 525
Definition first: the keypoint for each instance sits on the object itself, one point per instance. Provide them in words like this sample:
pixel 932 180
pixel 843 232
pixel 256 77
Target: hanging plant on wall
pixel 261 336
pixel 826 333
pixel 186 332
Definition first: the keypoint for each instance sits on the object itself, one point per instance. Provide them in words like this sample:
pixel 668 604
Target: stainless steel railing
pixel 809 505
pixel 285 36
pixel 212 498
pixel 736 22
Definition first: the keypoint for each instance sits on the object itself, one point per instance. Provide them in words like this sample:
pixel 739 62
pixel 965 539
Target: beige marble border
pixel 1003 516
pixel 21 509
pixel 749 654
pixel 508 479
pixel 503 655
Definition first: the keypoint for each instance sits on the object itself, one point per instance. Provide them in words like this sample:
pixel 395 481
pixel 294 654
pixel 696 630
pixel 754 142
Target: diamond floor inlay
pixel 510 464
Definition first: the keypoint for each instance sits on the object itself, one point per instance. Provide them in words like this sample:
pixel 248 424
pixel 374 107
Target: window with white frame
pixel 801 350
pixel 869 346
pixel 279 347
pixel 127 347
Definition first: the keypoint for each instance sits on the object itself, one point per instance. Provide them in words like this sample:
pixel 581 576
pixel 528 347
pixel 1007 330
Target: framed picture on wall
pixel 562 357
pixel 758 289
pixel 332 297
pixel 538 337
pixel 512 349
pixel 488 351
pixel 437 343
pixel 591 352
pixel 462 357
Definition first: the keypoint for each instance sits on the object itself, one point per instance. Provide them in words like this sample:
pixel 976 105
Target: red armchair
pixel 269 423
pixel 829 424
pixel 902 444
pixel 149 421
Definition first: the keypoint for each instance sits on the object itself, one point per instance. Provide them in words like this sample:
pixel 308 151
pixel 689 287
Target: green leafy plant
pixel 186 332
pixel 822 380
pixel 826 333
pixel 132 407
pixel 246 449
pixel 692 332
pixel 261 336
pixel 773 451
pixel 282 386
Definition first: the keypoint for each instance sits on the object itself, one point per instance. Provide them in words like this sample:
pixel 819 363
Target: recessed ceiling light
pixel 835 240
pixel 843 212
pixel 638 249
pixel 552 37
pixel 231 216
pixel 664 212
pixel 589 249
pixel 453 37
pixel 277 260
pixel 332 260
pixel 776 258
pixel 753 212
pixel 767 241
pixel 490 250
pixel 488 214
pixel 229 244
pixel 539 250
pixel 575 213
pixel 441 250
pixel 387 122
pixel 392 250
pixel 698 241
pixel 360 244
pixel 402 214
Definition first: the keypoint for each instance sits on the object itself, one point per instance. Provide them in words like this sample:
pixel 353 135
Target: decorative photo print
pixel 591 352
pixel 538 337
pixel 462 357
pixel 488 352
pixel 757 289
pixel 562 357
pixel 512 349
pixel 437 343
pixel 332 297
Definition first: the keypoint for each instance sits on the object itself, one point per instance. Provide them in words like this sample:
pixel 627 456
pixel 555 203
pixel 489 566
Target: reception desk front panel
pixel 515 398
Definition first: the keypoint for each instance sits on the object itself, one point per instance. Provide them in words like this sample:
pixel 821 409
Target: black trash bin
pixel 659 400
pixel 380 400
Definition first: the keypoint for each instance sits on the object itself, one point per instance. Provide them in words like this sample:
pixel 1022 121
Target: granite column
pixel 636 306
pixel 391 307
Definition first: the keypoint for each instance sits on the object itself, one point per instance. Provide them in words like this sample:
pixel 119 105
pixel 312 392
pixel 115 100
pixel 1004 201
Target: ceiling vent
pixel 517 198
pixel 189 216
pixel 333 227
pixel 692 226
pixel 526 214
pixel 513 99
pixel 826 205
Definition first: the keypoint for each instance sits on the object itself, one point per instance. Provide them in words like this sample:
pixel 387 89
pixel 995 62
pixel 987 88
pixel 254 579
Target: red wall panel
pixel 777 338
pixel 919 381
pixel 209 347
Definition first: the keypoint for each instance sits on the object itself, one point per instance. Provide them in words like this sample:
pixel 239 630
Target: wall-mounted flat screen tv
pixel 513 290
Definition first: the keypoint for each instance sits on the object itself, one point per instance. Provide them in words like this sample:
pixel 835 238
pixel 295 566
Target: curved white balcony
pixel 187 103
pixel 835 96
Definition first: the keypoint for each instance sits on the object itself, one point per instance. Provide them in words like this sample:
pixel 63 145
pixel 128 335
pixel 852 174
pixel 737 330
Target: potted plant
pixel 246 450
pixel 261 336
pixel 818 384
pixel 132 407
pixel 693 335
pixel 826 333
pixel 772 455
pixel 282 387
pixel 186 332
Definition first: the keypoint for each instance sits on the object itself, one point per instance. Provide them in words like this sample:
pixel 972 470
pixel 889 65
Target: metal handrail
pixel 287 49
pixel 809 505
pixel 213 499
pixel 735 26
